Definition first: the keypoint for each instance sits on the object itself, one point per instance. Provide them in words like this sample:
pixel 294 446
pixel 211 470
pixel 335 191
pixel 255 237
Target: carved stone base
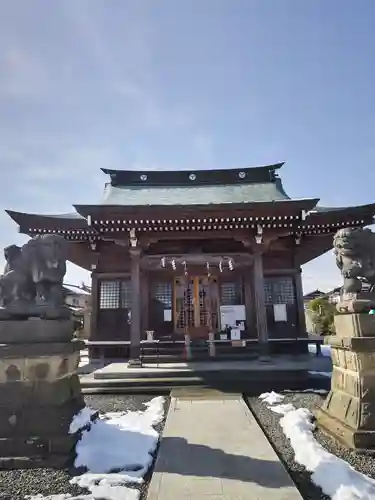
pixel 36 462
pixel 359 441
pixel 35 330
pixel 348 413
pixel 19 311
pixel 354 325
pixel 361 302
pixel 39 395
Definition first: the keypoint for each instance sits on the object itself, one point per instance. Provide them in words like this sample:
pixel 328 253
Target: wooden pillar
pixel 301 317
pixel 249 304
pixel 94 306
pixel 145 294
pixel 260 303
pixel 135 325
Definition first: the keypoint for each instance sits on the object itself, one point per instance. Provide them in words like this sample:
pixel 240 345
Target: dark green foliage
pixel 323 315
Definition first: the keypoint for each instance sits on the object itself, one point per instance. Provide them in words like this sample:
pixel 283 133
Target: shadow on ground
pixel 205 462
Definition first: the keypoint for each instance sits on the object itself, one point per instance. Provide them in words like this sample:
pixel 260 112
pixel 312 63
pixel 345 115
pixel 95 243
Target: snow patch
pixel 325 349
pixel 323 374
pixel 117 451
pixel 81 420
pixel 311 391
pixel 271 397
pixel 282 409
pixel 333 475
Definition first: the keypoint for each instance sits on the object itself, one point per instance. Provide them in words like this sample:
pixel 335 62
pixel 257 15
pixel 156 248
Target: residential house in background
pixel 312 295
pixel 79 301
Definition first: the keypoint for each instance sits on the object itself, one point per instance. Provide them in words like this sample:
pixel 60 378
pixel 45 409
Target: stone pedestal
pixel 348 414
pixel 39 393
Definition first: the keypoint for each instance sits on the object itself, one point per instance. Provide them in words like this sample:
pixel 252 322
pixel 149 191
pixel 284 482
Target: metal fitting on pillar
pixel 133 238
pixel 259 235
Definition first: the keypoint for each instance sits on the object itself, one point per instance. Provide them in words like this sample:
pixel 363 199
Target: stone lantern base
pixel 348 414
pixel 39 393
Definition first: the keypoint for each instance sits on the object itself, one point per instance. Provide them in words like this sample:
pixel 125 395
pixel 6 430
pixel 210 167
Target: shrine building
pixel 197 254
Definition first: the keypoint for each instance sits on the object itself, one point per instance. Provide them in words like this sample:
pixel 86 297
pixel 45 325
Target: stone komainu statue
pixel 354 249
pixel 33 276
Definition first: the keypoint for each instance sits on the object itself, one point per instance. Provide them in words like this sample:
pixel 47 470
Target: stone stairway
pixel 250 377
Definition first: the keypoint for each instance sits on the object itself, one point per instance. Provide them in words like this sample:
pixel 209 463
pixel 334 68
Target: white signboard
pixel 229 315
pixel 279 312
pixel 235 334
pixel 167 314
pixel 239 312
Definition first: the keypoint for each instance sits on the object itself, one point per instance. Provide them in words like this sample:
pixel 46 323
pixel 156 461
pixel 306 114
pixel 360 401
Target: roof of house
pixel 313 295
pixel 73 290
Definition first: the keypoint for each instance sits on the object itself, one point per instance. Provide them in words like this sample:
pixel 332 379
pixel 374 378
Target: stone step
pixel 248 386
pixel 170 358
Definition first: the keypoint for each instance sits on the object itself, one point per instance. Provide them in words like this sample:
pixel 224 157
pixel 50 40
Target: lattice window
pixel 231 293
pixel 279 290
pixel 126 294
pixel 163 293
pixel 109 295
pixel 115 294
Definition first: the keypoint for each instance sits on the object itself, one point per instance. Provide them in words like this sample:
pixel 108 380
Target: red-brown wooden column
pixel 260 304
pixel 300 304
pixel 135 325
pixel 94 306
pixel 249 303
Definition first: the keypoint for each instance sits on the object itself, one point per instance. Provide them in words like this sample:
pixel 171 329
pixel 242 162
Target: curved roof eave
pixel 72 220
pixel 305 204
pixel 366 210
pixel 109 171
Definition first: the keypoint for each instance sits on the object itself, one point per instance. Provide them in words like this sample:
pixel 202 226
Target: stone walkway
pixel 213 449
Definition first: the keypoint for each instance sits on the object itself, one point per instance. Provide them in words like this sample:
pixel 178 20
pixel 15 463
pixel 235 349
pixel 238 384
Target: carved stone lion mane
pixel 354 249
pixel 34 274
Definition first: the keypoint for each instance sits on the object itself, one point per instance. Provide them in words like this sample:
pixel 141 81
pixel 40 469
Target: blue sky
pixel 185 84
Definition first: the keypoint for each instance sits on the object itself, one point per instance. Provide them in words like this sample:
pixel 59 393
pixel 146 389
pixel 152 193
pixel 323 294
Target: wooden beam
pixel 280 272
pixel 197 258
pixel 112 275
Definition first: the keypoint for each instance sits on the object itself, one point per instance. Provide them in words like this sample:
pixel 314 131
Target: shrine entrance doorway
pixel 195 305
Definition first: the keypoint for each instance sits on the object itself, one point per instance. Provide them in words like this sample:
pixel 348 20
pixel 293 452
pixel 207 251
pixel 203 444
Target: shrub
pixel 323 315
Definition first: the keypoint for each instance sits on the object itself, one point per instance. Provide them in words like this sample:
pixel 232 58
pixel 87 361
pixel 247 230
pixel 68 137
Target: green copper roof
pixel 194 195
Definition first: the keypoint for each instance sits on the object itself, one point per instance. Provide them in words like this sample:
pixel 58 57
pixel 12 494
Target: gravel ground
pixel 270 423
pixel 15 485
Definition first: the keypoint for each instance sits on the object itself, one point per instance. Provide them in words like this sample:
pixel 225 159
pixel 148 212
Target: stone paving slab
pixel 213 449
